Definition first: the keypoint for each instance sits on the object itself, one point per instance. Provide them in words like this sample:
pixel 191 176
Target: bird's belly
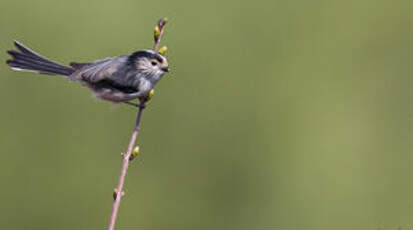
pixel 109 93
pixel 116 96
pixel 112 94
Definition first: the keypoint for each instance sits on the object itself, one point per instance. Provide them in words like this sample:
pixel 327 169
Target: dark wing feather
pixel 96 71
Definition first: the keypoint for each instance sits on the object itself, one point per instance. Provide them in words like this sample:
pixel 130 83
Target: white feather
pixel 24 70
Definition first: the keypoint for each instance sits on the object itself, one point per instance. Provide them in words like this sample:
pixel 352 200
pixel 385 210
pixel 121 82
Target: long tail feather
pixel 27 60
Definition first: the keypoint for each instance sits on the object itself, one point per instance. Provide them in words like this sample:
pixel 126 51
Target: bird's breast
pixel 145 86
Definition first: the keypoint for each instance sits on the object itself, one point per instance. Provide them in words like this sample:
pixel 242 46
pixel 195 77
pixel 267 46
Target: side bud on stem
pixel 134 153
pixel 115 192
pixel 163 50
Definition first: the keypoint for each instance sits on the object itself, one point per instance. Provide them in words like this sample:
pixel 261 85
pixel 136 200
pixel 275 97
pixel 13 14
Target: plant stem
pixel 118 193
pixel 125 165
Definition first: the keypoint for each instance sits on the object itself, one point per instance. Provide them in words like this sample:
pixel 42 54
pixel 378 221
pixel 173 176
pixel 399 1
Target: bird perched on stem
pixel 119 79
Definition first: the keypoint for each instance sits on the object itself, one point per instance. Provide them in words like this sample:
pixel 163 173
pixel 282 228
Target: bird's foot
pixel 140 105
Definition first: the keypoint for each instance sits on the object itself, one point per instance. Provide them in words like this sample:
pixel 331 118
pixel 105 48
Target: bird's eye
pixel 154 63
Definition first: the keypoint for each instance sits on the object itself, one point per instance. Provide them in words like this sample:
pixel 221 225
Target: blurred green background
pixel 277 115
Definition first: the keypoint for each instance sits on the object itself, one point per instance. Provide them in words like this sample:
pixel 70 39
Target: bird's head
pixel 149 63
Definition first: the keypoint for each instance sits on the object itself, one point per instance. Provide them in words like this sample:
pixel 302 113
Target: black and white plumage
pixel 118 79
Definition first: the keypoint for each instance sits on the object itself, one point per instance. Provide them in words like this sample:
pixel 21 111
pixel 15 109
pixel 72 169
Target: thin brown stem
pixel 118 193
pixel 125 165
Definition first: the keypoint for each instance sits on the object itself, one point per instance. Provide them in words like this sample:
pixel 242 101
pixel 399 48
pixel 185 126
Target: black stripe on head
pixel 145 53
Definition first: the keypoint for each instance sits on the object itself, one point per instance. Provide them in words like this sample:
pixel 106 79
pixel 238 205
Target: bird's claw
pixel 141 105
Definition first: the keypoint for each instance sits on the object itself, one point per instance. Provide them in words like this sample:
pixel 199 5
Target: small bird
pixel 119 79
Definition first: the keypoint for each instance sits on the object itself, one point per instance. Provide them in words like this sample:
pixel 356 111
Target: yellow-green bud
pixel 163 50
pixel 136 150
pixel 134 153
pixel 150 94
pixel 157 32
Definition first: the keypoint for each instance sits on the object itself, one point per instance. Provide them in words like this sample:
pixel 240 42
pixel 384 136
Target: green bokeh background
pixel 277 115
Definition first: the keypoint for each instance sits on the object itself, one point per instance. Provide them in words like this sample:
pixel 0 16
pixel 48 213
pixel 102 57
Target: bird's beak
pixel 165 69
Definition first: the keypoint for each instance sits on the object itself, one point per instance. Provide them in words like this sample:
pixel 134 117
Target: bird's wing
pixel 96 71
